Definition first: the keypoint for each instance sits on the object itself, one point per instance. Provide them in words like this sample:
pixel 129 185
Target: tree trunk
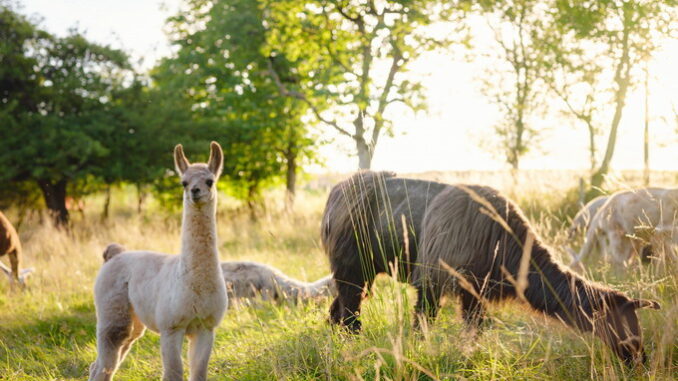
pixel 291 179
pixel 141 196
pixel 364 153
pixel 364 150
pixel 516 151
pixel 646 132
pixel 251 202
pixel 107 203
pixel 622 79
pixel 592 145
pixel 55 199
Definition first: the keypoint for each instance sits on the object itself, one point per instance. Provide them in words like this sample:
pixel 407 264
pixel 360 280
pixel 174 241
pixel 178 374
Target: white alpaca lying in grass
pixel 174 295
pixel 248 280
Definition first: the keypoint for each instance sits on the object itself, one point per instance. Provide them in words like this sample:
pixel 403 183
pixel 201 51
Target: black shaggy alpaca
pixel 482 236
pixel 476 232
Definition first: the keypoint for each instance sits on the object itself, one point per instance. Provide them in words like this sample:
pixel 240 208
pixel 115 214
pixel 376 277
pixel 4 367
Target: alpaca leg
pixel 14 264
pixel 199 353
pixel 472 310
pixel 110 339
pixel 138 330
pixel 428 303
pixel 170 346
pixel 346 306
pixel 620 248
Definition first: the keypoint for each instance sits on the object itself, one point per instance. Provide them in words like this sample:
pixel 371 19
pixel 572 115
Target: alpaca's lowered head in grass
pixel 10 245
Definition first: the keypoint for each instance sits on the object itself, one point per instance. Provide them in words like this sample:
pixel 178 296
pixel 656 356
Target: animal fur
pixel 174 295
pixel 629 221
pixel 112 250
pixel 363 233
pixel 582 220
pixel 249 280
pixel 481 236
pixel 10 245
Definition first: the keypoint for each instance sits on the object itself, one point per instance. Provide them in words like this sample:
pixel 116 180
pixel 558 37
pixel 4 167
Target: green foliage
pixel 221 71
pixel 589 39
pixel 76 118
pixel 337 47
pixel 56 99
pixel 514 73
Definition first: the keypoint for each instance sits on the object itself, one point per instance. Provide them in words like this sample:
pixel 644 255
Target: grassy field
pixel 48 332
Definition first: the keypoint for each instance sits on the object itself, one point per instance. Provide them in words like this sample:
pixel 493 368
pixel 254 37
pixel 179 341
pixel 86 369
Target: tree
pixel 350 57
pixel 514 80
pixel 54 91
pixel 574 75
pixel 627 32
pixel 146 125
pixel 224 76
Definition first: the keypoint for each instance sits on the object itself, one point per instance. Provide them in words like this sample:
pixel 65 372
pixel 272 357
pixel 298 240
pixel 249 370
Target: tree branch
pixel 284 91
pixel 342 12
pixel 383 99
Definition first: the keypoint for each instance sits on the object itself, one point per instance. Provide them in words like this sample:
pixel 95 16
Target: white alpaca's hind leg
pixel 199 353
pixel 114 327
pixel 170 346
pixel 110 339
pixel 138 330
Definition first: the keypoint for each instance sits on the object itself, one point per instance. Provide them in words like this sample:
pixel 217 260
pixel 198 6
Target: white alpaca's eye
pixel 184 184
pixel 209 183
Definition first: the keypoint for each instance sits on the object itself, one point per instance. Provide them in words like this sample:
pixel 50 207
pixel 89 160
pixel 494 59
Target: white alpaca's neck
pixel 199 235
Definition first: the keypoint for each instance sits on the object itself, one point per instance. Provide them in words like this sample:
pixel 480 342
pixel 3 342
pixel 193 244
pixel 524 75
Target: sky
pixel 449 136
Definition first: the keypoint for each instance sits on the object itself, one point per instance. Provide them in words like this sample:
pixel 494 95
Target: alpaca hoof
pixel 352 324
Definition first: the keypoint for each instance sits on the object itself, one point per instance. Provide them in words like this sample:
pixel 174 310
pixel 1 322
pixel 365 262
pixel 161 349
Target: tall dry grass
pixel 47 332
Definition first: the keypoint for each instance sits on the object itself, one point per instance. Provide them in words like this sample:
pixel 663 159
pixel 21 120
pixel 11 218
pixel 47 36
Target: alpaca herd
pixel 462 241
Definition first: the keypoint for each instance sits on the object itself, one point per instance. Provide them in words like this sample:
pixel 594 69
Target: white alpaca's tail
pixel 112 250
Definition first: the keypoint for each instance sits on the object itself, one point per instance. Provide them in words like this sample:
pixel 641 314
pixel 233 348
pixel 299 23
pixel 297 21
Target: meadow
pixel 48 331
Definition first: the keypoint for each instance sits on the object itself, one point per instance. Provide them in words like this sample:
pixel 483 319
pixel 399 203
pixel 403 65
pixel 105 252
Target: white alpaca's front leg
pixel 199 353
pixel 170 345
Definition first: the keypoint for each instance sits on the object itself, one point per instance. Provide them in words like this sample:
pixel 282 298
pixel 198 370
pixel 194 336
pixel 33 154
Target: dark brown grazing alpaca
pixel 480 235
pixel 362 233
pixel 10 246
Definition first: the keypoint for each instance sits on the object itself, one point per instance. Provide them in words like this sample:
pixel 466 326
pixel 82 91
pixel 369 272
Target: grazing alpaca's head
pixel 616 323
pixel 198 179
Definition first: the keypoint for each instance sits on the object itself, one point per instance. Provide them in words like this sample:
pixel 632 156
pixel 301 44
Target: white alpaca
pixel 247 280
pixel 174 295
pixel 629 220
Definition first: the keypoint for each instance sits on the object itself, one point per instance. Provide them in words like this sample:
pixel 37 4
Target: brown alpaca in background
pixel 11 246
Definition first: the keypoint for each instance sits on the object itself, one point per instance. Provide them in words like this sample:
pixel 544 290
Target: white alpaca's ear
pixel 216 162
pixel 180 162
